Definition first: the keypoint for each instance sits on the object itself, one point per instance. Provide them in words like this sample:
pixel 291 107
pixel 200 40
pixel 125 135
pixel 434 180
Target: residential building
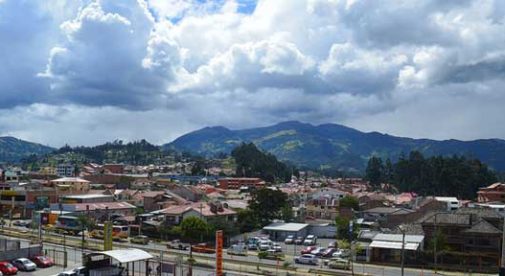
pixel 74 184
pixel 389 217
pixel 493 192
pixel 387 248
pixel 473 235
pixel 239 182
pixel 452 202
pixel 65 170
pixel 208 211
pixel 87 198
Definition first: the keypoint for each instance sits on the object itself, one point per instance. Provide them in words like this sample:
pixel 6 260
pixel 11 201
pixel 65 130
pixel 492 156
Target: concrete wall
pixel 21 253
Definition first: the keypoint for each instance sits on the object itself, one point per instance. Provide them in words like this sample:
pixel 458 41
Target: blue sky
pixel 91 71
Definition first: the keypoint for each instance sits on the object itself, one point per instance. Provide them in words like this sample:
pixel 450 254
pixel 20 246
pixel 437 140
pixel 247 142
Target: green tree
pixel 287 213
pixel 375 171
pixel 247 220
pixel 267 204
pixel 194 229
pixel 350 202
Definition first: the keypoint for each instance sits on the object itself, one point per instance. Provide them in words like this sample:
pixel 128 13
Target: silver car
pixel 306 259
pixel 24 264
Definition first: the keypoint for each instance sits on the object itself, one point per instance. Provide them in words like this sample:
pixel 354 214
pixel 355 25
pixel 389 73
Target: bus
pixel 119 232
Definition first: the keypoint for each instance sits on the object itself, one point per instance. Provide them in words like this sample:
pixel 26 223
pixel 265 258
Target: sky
pixel 85 72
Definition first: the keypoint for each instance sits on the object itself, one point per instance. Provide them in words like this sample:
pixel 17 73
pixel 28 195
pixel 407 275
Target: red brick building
pixel 235 183
pixel 493 192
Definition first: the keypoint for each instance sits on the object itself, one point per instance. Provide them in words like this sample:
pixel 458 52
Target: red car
pixel 8 269
pixel 308 249
pixel 42 261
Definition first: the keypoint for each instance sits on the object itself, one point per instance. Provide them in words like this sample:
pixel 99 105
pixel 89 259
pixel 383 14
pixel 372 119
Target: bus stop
pixel 130 261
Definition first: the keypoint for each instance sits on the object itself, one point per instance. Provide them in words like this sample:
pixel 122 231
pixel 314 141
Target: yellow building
pixel 74 184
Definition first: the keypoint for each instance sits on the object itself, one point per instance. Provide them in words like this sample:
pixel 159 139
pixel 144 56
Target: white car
pixel 264 245
pixel 276 247
pixel 310 240
pixel 342 253
pixel 318 251
pixel 306 259
pixel 289 239
pixel 67 273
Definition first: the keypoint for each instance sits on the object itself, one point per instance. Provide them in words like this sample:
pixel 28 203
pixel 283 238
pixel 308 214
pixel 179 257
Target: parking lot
pixel 54 270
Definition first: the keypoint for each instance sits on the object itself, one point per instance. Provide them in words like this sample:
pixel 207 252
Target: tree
pixel 375 171
pixel 267 204
pixel 252 162
pixel 287 213
pixel 247 220
pixel 194 229
pixel 349 202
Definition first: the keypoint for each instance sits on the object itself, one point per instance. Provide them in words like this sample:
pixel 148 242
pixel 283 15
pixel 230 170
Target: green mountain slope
pixel 332 145
pixel 13 149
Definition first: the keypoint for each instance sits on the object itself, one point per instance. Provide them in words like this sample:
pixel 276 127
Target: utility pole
pixel 502 264
pixel 435 242
pixel 403 249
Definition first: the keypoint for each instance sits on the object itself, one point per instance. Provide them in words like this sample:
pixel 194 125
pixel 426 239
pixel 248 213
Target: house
pixel 389 217
pixel 387 248
pixel 452 202
pixel 73 184
pixel 65 170
pixel 208 211
pixel 239 182
pixel 493 192
pixel 472 234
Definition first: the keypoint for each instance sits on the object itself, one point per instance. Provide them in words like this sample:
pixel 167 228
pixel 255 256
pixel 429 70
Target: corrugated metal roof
pixel 286 227
pixel 394 245
pixel 398 238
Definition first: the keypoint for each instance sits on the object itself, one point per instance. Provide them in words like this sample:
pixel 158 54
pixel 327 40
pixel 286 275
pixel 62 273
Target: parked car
pixel 80 271
pixel 318 251
pixel 308 249
pixel 273 255
pixel 306 259
pixel 333 244
pixel 8 269
pixel 141 239
pixel 328 253
pixel 22 223
pixel 252 243
pixel 289 239
pixel 67 273
pixel 310 240
pixel 339 263
pixel 42 261
pixel 299 240
pixel 24 264
pixel 264 245
pixel 276 247
pixel 342 253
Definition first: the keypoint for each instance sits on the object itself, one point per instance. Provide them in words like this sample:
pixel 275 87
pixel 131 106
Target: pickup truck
pixel 203 248
pixel 177 244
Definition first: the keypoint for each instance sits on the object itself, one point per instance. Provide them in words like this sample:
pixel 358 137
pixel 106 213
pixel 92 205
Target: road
pixel 237 264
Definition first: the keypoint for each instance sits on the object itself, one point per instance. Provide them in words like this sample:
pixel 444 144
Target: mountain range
pixel 13 149
pixel 332 145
